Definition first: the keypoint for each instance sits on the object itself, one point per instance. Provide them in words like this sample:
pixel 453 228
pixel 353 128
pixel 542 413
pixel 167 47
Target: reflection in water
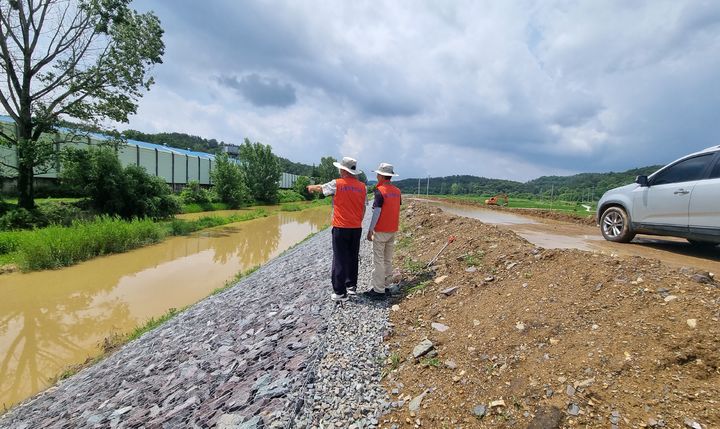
pixel 50 320
pixel 484 215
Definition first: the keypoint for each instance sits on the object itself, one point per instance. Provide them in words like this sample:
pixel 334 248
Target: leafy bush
pixel 300 187
pixel 19 218
pixel 193 193
pixel 230 183
pixel 128 192
pixel 58 213
pixel 289 196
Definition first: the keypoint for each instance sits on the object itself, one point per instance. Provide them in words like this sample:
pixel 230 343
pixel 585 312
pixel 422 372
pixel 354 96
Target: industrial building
pixel 176 166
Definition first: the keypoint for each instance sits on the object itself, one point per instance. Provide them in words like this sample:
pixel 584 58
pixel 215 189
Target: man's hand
pixel 370 236
pixel 314 188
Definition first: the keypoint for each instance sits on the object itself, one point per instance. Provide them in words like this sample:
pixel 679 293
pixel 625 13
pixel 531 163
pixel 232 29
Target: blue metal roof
pixel 145 145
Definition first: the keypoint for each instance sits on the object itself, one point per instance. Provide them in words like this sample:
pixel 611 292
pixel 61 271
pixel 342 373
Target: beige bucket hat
pixel 385 169
pixel 348 164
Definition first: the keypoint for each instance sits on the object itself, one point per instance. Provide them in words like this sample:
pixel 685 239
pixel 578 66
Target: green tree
pixel 300 187
pixel 229 183
pixel 326 171
pixel 455 189
pixel 84 59
pixel 111 189
pixel 261 171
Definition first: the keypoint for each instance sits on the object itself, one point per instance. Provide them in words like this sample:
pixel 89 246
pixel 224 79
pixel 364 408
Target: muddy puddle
pixel 50 320
pixel 551 234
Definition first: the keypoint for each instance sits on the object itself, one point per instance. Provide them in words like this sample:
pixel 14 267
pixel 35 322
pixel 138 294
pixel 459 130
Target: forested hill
pixel 579 187
pixel 199 144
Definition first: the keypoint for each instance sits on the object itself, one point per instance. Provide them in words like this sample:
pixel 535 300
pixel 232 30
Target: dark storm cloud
pixel 262 91
pixel 551 86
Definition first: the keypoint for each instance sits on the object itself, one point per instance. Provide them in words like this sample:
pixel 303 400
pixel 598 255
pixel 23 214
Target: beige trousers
pixel 383 245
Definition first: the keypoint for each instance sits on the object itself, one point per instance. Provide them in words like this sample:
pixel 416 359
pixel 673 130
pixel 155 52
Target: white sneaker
pixel 352 290
pixel 340 298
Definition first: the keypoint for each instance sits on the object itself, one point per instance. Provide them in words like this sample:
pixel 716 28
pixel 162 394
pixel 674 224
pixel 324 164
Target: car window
pixel 715 173
pixel 684 171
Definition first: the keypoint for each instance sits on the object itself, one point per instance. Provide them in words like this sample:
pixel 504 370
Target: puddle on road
pixel 50 320
pixel 495 217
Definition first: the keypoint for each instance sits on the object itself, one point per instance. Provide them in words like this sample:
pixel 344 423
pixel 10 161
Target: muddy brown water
pixel 551 234
pixel 50 320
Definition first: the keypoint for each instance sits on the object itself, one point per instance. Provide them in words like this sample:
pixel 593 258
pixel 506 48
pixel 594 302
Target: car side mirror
pixel 642 181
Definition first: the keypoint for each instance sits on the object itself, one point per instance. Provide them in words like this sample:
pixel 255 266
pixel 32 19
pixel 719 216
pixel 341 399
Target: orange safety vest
pixel 390 214
pixel 348 203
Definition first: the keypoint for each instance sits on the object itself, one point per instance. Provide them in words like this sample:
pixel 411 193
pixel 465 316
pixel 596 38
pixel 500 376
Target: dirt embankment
pixel 541 338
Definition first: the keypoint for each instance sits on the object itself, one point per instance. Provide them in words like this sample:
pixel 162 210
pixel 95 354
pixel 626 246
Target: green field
pixel 525 203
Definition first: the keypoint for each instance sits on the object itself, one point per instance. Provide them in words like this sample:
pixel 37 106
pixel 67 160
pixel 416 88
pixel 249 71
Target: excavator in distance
pixel 497 200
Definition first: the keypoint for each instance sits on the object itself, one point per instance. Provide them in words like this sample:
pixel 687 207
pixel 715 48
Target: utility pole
pixel 418 191
pixel 427 188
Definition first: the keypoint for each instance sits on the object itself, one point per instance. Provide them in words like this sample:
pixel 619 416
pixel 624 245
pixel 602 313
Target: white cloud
pixel 525 88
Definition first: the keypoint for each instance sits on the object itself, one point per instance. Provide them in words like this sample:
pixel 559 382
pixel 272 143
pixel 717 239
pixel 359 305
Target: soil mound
pixel 527 337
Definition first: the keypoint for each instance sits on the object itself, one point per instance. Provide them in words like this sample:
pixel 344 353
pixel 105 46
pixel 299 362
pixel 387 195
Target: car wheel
pixel 615 225
pixel 702 244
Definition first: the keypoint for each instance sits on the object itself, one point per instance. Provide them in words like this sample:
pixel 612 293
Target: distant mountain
pixel 579 187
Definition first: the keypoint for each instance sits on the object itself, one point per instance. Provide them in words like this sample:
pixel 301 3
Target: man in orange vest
pixel 383 226
pixel 350 197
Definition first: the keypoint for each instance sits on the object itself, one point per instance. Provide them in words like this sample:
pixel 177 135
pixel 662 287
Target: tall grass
pixel 58 246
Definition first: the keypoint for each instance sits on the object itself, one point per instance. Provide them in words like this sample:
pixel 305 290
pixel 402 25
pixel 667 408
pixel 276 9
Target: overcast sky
pixel 503 89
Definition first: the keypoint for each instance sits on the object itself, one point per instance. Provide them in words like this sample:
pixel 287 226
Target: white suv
pixel 681 199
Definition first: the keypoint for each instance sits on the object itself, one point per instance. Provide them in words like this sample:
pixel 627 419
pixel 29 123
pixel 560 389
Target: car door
pixel 665 203
pixel 705 202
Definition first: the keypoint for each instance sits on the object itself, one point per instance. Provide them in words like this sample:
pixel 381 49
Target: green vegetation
pixel 197 208
pixel 89 62
pixel 326 171
pixel 434 362
pixel 577 188
pixel 58 246
pixel 289 196
pixel 230 183
pixel 261 170
pixel 300 188
pixel 418 287
pixel 557 205
pixel 111 189
pixel 474 258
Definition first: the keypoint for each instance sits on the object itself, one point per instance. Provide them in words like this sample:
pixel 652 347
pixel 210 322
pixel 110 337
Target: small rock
pixel 489 278
pixel 415 403
pixel 496 404
pixel 422 348
pixel 470 269
pixel 520 326
pixel 449 291
pixel 670 298
pixel 440 279
pixel 450 364
pixel 595 327
pixel 476 322
pixel 569 390
pixel 439 327
pixel 395 307
pixel 652 422
pixel 479 411
pixel 701 278
pixel 554 341
pixel 692 323
pixel 120 412
pixel 584 384
pixel 692 424
pixel 573 409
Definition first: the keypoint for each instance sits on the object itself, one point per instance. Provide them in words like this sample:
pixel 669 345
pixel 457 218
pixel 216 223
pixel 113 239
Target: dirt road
pixel 557 234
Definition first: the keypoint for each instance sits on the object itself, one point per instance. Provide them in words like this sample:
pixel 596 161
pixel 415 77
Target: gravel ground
pixel 271 352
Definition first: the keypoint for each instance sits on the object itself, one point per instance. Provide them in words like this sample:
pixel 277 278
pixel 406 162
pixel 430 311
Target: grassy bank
pixel 57 246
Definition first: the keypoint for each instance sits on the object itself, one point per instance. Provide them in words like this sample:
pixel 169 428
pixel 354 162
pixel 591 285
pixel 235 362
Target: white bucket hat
pixel 348 164
pixel 385 169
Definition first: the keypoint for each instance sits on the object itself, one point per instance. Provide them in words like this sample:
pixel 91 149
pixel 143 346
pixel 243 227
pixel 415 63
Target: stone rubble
pixel 271 352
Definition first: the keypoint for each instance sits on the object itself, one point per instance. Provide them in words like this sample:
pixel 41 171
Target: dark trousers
pixel 346 250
